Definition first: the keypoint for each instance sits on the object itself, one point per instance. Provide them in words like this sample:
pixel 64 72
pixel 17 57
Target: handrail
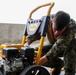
pixel 49 10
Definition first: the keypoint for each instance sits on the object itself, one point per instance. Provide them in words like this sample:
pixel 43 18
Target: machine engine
pixel 15 61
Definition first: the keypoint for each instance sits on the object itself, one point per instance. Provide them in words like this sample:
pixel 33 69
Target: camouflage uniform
pixel 65 45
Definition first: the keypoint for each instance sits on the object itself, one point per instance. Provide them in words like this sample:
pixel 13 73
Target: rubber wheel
pixel 35 70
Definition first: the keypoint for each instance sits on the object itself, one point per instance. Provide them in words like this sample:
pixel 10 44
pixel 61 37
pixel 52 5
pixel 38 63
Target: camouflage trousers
pixel 69 57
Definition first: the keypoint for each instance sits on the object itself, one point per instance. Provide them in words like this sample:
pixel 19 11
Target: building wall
pixel 11 33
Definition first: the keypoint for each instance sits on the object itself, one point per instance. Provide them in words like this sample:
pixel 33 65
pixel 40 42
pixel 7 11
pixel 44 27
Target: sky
pixel 17 11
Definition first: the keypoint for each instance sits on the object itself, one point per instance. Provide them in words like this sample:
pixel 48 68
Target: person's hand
pixel 42 60
pixel 26 44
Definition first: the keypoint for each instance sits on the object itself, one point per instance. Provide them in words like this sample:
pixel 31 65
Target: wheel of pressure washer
pixel 35 70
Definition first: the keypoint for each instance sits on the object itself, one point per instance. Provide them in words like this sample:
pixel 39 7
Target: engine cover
pixel 28 53
pixel 10 52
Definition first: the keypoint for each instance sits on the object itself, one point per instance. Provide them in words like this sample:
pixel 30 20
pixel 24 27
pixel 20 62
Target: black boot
pixel 56 71
pixel 58 67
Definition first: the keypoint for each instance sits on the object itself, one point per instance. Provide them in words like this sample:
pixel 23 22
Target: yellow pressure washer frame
pixel 24 37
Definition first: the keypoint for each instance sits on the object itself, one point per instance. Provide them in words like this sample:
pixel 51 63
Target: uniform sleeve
pixel 59 46
pixel 31 38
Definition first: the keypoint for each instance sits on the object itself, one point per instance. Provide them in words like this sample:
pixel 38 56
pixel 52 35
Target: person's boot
pixel 57 69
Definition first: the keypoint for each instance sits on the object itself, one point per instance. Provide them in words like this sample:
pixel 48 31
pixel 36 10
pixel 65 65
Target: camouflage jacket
pixel 63 41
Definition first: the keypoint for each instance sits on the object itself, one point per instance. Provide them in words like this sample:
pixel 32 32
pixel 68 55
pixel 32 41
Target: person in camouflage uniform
pixel 64 30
